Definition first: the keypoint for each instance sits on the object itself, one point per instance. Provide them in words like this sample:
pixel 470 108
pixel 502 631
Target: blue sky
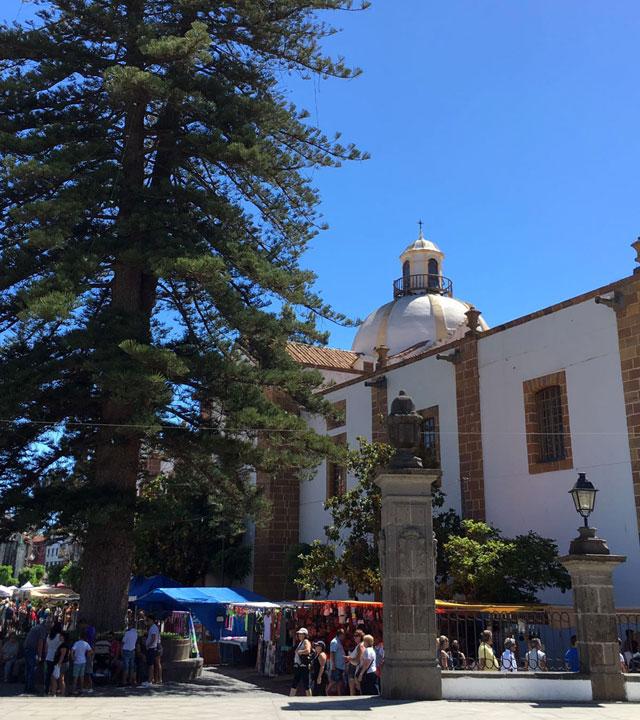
pixel 510 128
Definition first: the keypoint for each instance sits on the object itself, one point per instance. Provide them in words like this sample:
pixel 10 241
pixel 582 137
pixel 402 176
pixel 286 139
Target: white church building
pixel 512 414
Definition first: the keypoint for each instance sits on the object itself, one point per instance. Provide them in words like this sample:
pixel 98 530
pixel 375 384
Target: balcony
pixel 419 284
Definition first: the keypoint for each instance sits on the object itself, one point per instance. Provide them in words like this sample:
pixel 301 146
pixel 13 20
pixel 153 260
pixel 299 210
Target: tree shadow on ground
pixel 354 704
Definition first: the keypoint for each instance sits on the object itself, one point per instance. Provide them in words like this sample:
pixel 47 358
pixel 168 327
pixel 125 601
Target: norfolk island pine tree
pixel 155 206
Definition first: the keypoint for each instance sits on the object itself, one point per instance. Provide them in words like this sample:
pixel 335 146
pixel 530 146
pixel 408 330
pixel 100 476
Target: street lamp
pixel 584 496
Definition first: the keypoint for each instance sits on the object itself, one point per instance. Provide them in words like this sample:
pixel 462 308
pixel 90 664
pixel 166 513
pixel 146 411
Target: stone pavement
pixel 239 694
pixel 261 705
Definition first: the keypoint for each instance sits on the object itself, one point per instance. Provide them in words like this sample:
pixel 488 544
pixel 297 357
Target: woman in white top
pixel 535 660
pixel 508 661
pixel 301 663
pixel 53 641
pixel 353 659
pixel 367 674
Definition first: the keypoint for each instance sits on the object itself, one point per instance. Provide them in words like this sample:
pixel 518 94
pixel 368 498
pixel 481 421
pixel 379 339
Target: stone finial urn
pixel 403 427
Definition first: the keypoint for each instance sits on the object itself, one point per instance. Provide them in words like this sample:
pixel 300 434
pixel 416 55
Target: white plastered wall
pixel 582 340
pixel 431 382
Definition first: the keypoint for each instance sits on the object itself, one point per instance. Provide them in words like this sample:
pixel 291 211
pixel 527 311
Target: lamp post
pixel 584 496
pixel 591 566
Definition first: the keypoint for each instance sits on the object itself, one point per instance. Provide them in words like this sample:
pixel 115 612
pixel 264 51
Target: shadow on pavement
pixel 215 681
pixel 353 704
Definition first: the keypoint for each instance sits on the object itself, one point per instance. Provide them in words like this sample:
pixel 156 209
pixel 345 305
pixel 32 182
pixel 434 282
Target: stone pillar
pixel 591 566
pixel 407 562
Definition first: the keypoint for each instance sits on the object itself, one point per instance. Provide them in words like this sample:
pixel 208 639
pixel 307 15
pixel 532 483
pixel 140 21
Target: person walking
pixel 90 638
pixel 458 659
pixel 486 656
pixel 354 658
pixel 443 657
pixel 367 675
pixel 336 664
pixel 129 640
pixel 9 654
pixel 33 651
pixel 319 675
pixel 60 667
pixel 52 642
pixel 535 660
pixel 151 645
pixel 301 661
pixel 508 661
pixel 571 660
pixel 80 652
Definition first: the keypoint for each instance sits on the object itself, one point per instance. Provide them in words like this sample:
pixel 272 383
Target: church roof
pixel 324 357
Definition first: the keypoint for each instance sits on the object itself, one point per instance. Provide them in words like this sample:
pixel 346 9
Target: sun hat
pixel 302 630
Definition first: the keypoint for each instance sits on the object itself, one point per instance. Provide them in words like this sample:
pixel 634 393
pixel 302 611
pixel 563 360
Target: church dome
pixel 423 312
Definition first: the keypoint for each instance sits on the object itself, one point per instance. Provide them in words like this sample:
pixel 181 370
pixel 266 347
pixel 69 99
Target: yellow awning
pixel 54 593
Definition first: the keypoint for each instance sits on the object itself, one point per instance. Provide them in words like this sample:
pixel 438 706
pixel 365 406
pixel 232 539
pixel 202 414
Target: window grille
pixel 429 439
pixel 337 480
pixel 551 428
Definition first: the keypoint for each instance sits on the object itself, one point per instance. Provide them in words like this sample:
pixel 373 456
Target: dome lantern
pixel 422 270
pixel 423 313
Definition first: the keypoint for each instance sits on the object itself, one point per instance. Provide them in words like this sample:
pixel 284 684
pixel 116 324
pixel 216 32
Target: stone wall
pixel 629 344
pixel 470 430
pixel 379 412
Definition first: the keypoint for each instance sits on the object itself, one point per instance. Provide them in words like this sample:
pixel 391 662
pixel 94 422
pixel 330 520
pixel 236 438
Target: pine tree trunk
pixel 108 545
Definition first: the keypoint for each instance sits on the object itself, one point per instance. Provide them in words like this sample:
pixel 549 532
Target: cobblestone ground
pixel 240 694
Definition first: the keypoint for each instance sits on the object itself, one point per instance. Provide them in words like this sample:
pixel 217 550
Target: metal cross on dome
pixel 420 226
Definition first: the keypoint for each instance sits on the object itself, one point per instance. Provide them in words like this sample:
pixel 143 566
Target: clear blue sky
pixel 510 128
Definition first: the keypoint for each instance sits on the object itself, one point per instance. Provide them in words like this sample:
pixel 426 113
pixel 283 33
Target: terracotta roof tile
pixel 323 357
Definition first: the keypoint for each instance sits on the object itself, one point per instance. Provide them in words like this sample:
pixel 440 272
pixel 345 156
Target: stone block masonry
pixel 629 344
pixel 272 543
pixel 379 412
pixel 470 430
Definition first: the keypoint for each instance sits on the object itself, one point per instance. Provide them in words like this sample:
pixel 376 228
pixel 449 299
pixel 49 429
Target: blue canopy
pixel 207 603
pixel 141 585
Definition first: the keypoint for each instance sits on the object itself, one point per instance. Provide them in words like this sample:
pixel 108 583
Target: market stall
pixel 141 585
pixel 208 604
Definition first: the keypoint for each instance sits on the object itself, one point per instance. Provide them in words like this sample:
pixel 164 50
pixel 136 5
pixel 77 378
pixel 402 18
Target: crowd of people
pixel 69 653
pixel 22 615
pixel 534 660
pixel 356 671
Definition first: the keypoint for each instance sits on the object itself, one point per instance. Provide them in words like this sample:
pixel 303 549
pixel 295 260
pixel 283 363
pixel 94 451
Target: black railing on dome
pixel 435 284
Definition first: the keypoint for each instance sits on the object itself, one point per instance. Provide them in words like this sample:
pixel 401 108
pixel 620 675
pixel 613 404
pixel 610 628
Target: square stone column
pixel 407 561
pixel 596 626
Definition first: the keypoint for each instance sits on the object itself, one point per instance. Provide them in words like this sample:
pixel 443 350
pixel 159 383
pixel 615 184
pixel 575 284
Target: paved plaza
pixel 233 694
pixel 261 705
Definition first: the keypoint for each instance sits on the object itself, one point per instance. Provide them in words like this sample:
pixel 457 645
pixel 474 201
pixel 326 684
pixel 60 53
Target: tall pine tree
pixel 155 204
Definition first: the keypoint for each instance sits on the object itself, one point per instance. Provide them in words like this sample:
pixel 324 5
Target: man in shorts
pixel 129 640
pixel 337 664
pixel 153 638
pixel 90 637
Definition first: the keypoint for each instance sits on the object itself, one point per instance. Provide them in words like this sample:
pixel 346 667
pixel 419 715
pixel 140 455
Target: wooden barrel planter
pixel 175 649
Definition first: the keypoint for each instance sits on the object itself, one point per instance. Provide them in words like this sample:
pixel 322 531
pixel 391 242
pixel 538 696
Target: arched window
pixel 406 275
pixel 434 273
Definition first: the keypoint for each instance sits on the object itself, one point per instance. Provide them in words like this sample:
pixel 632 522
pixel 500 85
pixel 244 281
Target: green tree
pixel 38 573
pixel 187 526
pixel 27 575
pixel 6 576
pixel 484 566
pixel 156 203
pixel 54 574
pixel 350 554
pixel 71 575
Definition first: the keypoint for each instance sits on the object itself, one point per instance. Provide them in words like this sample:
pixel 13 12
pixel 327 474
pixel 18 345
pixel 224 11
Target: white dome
pixel 412 320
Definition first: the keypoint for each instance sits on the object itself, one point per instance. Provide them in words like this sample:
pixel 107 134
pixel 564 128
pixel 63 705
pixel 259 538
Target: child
pixel 80 652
